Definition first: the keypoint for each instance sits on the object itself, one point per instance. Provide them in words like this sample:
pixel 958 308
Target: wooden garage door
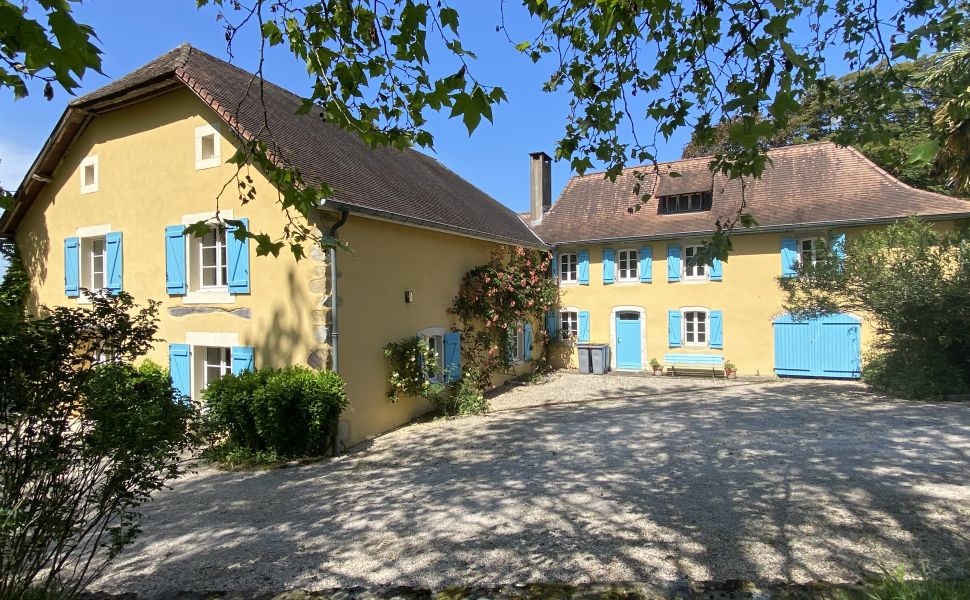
pixel 824 347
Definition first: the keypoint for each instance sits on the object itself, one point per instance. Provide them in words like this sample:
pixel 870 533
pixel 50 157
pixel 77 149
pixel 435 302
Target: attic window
pixel 683 203
pixel 89 174
pixel 206 147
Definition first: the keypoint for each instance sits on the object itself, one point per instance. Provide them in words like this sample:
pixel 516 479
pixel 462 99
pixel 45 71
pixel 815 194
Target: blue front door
pixel 828 346
pixel 628 340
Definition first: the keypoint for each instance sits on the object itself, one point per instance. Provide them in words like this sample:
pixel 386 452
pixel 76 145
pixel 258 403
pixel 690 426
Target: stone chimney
pixel 541 185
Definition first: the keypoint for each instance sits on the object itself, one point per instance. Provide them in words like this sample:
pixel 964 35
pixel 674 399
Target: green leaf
pixel 924 153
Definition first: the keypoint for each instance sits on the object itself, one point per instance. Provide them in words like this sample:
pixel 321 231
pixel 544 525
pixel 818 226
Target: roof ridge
pixel 896 181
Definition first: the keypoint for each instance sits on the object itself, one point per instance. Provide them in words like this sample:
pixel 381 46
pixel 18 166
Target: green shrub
pixel 461 397
pixel 285 413
pixel 913 371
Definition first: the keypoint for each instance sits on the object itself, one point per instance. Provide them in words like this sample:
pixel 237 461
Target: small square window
pixel 206 147
pixel 89 175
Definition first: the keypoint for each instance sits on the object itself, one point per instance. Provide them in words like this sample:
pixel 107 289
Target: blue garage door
pixel 824 347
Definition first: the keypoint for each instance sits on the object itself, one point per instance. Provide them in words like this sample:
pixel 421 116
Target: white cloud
pixel 15 159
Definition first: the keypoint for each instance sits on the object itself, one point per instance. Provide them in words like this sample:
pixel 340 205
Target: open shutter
pixel 673 328
pixel 72 270
pixel 717 270
pixel 673 262
pixel 175 260
pixel 717 329
pixel 552 324
pixel 838 247
pixel 789 256
pixel 646 264
pixel 242 359
pixel 608 265
pixel 180 368
pixel 583 267
pixel 527 342
pixel 114 256
pixel 238 255
pixel 584 326
pixel 452 356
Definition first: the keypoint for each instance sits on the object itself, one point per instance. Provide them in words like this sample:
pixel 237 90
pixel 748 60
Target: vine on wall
pixel 514 287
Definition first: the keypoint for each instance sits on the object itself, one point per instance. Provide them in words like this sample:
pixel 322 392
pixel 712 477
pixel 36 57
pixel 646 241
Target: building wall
pixel 748 296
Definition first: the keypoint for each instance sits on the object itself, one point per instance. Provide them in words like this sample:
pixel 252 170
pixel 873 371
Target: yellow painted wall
pixel 748 295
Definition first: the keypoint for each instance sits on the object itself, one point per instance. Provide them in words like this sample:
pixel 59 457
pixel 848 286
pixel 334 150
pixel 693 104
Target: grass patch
pixel 894 585
pixel 234 458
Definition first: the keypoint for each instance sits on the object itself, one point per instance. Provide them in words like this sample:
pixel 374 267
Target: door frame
pixel 643 333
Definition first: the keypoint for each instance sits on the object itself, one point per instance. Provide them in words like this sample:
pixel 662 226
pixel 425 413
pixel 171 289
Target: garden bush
pixel 286 413
pixel 461 397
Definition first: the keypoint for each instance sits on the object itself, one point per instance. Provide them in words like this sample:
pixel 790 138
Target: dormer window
pixel 89 174
pixel 206 147
pixel 683 203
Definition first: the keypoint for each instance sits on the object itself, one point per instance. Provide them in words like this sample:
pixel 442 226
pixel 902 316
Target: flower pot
pixel 658 372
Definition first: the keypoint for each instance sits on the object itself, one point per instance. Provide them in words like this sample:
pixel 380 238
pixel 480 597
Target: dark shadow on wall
pixel 792 481
pixel 35 248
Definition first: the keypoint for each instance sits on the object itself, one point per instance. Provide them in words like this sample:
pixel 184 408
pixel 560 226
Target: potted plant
pixel 730 369
pixel 656 366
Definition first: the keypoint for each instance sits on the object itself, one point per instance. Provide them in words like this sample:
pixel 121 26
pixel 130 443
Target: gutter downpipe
pixel 334 363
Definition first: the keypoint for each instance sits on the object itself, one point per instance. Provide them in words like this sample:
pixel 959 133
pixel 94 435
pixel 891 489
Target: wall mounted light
pixel 408 297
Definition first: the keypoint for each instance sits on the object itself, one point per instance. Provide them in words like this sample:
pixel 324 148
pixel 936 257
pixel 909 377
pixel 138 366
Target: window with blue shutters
pixel 646 264
pixel 569 268
pixel 609 265
pixel 673 262
pixel 72 272
pixel 583 267
pixel 452 356
pixel 583 326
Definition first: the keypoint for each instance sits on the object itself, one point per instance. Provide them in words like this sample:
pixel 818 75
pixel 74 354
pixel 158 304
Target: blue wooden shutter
pixel 717 270
pixel 673 262
pixel 114 258
pixel 180 368
pixel 608 265
pixel 789 256
pixel 646 264
pixel 673 328
pixel 583 267
pixel 452 358
pixel 527 342
pixel 175 281
pixel 72 267
pixel 552 323
pixel 238 254
pixel 242 359
pixel 838 247
pixel 717 329
pixel 584 326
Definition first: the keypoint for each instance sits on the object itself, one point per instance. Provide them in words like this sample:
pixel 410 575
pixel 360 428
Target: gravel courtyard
pixel 612 478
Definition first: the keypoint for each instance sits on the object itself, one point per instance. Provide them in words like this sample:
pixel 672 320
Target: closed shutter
pixel 608 265
pixel 72 264
pixel 114 258
pixel 583 267
pixel 673 262
pixel 180 368
pixel 175 283
pixel 646 264
pixel 452 358
pixel 552 324
pixel 789 256
pixel 717 329
pixel 717 270
pixel 673 328
pixel 238 254
pixel 527 342
pixel 584 326
pixel 242 359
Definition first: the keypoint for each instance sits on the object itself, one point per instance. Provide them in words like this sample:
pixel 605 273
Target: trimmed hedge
pixel 290 412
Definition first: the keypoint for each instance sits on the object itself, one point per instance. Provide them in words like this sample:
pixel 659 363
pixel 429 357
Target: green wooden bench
pixel 694 364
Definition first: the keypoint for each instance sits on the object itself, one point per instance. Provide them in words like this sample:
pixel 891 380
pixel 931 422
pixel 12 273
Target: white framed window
pixel 627 265
pixel 808 249
pixel 93 261
pixel 435 336
pixel 212 263
pixel 207 151
pixel 569 324
pixel 217 363
pixel 696 332
pixel 517 344
pixel 696 272
pixel 568 268
pixel 89 174
pixel 206 267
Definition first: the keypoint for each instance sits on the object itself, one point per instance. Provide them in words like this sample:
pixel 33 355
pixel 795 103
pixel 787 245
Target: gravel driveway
pixel 654 481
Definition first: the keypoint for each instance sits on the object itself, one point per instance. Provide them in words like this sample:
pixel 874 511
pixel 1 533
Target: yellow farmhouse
pixel 129 166
pixel 627 280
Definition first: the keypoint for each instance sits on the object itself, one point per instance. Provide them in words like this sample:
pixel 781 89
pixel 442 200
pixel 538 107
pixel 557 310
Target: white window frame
pixel 635 269
pixel 564 272
pixel 197 294
pixel 199 342
pixel 431 334
pixel 222 258
pixel 816 241
pixel 91 161
pixel 518 341
pixel 694 276
pixel 85 235
pixel 213 161
pixel 225 367
pixel 707 327
pixel 566 334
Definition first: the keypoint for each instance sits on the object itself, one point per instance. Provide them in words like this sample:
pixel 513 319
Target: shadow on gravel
pixel 794 481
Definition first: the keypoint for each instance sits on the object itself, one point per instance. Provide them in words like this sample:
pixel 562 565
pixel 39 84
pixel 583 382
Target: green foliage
pixel 459 398
pixel 289 412
pixel 13 289
pixel 910 281
pixel 86 439
pixel 895 585
pixel 655 364
pixel 414 364
pixel 948 77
